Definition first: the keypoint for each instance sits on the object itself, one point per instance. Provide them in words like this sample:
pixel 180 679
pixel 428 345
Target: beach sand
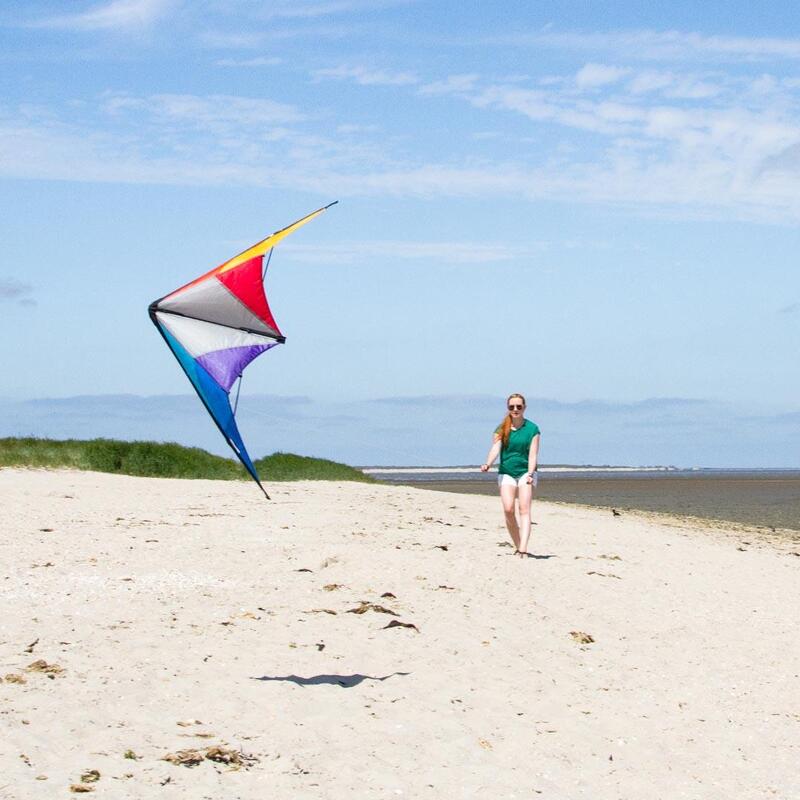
pixel 189 615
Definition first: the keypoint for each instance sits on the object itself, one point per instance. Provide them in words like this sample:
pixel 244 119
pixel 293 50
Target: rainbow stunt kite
pixel 217 324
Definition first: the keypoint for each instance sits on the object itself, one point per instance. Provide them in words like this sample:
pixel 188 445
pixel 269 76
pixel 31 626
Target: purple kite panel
pixel 225 366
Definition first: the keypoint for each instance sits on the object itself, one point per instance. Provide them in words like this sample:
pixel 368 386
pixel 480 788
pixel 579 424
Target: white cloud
pixel 644 45
pixel 453 84
pixel 119 14
pixel 211 112
pixel 350 128
pixel 705 185
pixel 696 144
pixel 225 40
pixel 301 9
pixel 594 75
pixel 650 81
pixel 259 61
pixel 365 76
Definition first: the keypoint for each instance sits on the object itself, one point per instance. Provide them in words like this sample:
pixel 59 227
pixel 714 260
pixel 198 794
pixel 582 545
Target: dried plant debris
pixel 581 637
pixel 332 587
pixel 226 755
pixel 444 547
pixel 90 776
pixel 610 558
pixel 185 758
pixel 185 723
pixel 29 648
pixel 364 606
pixel 321 611
pixel 304 569
pixel 397 624
pixel 389 596
pixel 80 788
pixel 221 755
pixel 14 678
pixel 131 755
pixel 40 665
pixel 604 574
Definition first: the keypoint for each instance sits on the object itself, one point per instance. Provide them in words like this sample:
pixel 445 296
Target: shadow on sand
pixel 345 681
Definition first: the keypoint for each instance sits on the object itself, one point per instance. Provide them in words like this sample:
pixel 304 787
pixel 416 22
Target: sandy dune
pixel 188 615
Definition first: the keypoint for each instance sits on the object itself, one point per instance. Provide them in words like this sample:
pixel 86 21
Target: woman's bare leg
pixel 525 497
pixel 508 494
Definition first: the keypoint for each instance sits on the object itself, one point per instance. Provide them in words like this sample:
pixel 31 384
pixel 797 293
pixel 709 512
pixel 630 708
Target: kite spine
pixel 154 307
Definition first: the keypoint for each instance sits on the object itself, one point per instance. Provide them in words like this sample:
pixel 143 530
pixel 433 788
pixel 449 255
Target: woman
pixel 516 439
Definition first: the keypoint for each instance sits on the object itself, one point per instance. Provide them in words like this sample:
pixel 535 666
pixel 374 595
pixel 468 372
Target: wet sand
pixel 749 499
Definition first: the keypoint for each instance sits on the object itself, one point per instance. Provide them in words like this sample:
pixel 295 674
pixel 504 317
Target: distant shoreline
pixel 584 468
pixel 474 469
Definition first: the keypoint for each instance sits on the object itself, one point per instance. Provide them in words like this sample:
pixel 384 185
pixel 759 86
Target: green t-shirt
pixel 514 456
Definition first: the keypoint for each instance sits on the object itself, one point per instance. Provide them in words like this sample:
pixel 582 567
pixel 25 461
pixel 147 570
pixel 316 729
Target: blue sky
pixel 583 202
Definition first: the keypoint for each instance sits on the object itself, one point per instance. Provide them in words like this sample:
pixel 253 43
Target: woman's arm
pixel 494 451
pixel 533 456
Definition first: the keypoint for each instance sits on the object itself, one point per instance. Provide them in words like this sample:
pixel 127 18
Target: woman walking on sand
pixel 516 440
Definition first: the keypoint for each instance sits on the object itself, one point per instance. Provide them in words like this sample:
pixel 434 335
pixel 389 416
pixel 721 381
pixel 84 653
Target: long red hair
pixel 505 425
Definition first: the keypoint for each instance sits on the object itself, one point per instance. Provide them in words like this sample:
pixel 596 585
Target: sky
pixel 593 204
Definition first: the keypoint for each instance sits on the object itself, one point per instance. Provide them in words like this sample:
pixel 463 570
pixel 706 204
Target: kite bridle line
pixel 238 389
pixel 266 264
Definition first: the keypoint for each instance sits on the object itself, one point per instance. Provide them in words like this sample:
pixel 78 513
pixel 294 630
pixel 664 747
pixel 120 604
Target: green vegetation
pixel 289 467
pixel 157 460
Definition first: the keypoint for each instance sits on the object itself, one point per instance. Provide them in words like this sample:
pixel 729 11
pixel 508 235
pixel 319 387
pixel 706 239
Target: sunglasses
pixel 515 407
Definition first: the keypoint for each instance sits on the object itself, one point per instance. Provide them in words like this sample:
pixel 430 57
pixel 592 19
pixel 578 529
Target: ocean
pixel 765 498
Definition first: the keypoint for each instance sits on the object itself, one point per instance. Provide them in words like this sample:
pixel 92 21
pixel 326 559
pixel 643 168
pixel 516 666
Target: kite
pixel 217 324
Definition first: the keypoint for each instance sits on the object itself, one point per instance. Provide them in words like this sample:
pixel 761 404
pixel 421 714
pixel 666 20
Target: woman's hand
pixel 484 467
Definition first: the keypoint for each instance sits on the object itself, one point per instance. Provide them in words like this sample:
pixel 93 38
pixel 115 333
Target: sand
pixel 188 615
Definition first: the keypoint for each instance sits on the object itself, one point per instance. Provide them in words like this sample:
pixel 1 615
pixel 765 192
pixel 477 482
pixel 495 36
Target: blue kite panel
pixel 215 398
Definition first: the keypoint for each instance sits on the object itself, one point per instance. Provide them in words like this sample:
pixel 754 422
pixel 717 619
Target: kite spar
pixel 217 324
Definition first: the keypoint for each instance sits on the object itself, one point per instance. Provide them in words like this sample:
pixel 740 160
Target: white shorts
pixel 507 480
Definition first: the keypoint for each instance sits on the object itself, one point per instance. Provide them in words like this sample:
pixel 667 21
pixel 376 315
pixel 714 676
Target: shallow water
pixel 764 498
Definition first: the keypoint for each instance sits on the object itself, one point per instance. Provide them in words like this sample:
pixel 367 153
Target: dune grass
pixel 164 460
pixel 290 467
